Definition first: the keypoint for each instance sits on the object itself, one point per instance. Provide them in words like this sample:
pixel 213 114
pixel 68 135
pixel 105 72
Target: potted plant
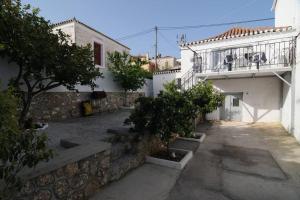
pixel 164 117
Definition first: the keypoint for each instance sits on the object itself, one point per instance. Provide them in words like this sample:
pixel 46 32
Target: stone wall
pixel 62 105
pixel 81 171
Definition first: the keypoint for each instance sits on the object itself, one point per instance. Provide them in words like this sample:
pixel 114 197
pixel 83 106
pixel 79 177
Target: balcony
pixel 265 56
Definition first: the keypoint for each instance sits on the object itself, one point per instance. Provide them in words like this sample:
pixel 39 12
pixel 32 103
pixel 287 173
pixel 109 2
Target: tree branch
pixel 16 82
pixel 40 80
pixel 48 87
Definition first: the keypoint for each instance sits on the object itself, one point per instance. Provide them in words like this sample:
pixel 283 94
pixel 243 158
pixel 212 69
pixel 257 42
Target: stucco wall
pixel 261 97
pixel 161 78
pixel 82 35
pixel 286 110
pixel 287 13
pixel 7 71
pixel 296 95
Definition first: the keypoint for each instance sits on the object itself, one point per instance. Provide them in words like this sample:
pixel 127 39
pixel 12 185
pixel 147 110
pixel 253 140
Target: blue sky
pixel 118 18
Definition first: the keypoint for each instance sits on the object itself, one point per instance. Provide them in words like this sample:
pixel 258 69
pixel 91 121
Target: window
pixel 166 64
pixel 235 102
pixel 97 54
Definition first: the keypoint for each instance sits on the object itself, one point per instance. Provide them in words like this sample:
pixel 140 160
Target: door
pixel 232 109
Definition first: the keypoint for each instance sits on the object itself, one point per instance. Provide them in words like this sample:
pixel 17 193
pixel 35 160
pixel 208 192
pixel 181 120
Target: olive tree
pixel 45 58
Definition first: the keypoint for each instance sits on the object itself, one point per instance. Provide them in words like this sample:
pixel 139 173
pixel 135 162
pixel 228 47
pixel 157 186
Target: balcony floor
pixel 244 73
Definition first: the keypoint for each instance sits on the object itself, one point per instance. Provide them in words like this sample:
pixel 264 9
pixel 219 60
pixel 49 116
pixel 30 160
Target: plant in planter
pixel 165 116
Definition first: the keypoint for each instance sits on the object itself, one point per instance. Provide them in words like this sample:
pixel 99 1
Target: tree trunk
pixel 125 98
pixel 25 110
pixel 203 115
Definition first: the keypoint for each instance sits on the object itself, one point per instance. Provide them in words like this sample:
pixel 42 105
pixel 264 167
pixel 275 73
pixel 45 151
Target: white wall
pixel 287 13
pixel 261 97
pixel 161 78
pixel 286 110
pixel 7 71
pixel 83 36
pixel 296 95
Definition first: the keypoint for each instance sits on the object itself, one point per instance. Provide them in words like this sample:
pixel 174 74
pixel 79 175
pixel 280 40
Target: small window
pixel 235 102
pixel 97 54
pixel 166 64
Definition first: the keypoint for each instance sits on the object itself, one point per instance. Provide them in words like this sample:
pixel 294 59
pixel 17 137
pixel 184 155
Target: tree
pixel 45 59
pixel 127 71
pixel 171 112
pixel 18 149
pixel 205 98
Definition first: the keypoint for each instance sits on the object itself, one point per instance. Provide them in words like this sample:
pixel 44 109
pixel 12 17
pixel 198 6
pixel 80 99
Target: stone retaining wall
pixel 81 171
pixel 62 105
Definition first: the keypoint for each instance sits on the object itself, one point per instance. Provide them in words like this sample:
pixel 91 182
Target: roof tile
pixel 241 32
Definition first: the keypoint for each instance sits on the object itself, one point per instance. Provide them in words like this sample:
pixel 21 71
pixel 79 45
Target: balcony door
pixel 232 107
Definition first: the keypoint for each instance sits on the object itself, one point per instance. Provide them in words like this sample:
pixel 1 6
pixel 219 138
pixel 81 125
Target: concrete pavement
pixel 242 162
pixel 237 161
pixel 148 182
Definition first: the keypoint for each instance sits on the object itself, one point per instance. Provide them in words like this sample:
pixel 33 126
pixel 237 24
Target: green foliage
pixel 127 71
pixel 46 58
pixel 171 112
pixel 17 149
pixel 205 97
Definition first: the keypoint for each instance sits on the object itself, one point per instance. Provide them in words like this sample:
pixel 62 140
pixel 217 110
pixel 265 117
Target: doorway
pixel 232 107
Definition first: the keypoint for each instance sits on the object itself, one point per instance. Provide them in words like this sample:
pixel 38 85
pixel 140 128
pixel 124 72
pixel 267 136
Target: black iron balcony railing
pixel 267 54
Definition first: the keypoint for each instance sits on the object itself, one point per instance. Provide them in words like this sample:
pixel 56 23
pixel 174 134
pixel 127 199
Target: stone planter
pixel 200 140
pixel 172 164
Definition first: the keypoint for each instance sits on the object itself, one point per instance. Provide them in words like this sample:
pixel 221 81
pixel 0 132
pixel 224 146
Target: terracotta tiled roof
pixel 83 24
pixel 241 32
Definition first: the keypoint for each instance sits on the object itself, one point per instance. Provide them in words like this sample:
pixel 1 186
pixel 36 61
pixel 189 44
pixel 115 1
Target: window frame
pixel 102 55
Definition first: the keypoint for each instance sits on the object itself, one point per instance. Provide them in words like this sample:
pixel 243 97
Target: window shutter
pixel 97 54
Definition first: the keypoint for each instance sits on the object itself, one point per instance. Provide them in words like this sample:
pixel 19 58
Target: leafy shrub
pixel 171 112
pixel 205 98
pixel 17 149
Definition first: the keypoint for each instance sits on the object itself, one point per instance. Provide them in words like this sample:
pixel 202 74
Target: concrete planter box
pixel 127 107
pixel 172 164
pixel 200 140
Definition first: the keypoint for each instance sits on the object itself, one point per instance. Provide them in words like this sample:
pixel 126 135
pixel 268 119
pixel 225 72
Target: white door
pixel 232 109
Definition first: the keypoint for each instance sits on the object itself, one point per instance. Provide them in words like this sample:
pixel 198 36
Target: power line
pixel 167 40
pixel 238 9
pixel 212 25
pixel 136 34
pixel 165 28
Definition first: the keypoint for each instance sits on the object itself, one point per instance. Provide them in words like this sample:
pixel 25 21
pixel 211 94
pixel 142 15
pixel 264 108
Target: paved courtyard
pixel 242 161
pixel 237 161
pixel 92 128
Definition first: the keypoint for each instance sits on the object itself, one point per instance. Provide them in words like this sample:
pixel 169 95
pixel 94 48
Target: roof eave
pixel 83 24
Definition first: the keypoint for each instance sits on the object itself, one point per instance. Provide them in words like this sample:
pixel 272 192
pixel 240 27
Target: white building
pixel 62 103
pixel 256 68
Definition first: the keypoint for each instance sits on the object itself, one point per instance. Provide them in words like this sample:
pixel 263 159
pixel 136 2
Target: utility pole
pixel 156 46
